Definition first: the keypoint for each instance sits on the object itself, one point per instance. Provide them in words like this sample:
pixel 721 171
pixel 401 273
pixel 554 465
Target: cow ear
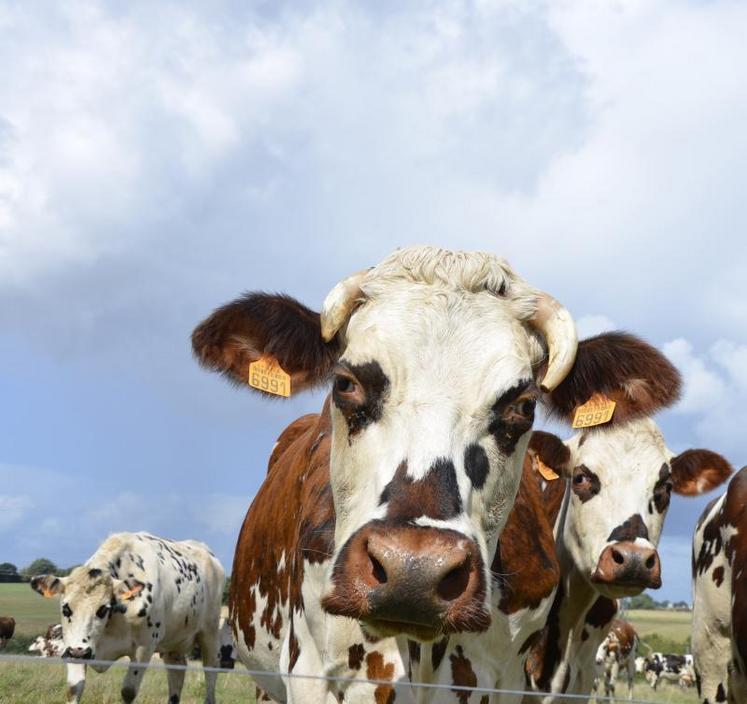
pixel 127 590
pixel 622 368
pixel 698 471
pixel 552 453
pixel 274 328
pixel 48 585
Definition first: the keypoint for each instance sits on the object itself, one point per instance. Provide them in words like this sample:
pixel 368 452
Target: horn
pixel 340 302
pixel 555 324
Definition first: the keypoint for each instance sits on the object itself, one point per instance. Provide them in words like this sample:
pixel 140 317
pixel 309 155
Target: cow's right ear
pixel 274 328
pixel 48 585
pixel 552 453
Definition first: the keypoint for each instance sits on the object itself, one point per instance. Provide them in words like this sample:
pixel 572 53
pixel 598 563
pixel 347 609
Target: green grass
pixel 33 613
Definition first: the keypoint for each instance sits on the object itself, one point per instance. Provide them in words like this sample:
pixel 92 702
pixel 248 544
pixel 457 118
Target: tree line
pixel 42 565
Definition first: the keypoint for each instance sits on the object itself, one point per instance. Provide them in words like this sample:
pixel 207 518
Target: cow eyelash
pixel 344 385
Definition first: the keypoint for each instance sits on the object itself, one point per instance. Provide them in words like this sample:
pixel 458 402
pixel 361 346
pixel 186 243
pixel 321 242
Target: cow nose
pixel 626 564
pixel 411 579
pixel 78 653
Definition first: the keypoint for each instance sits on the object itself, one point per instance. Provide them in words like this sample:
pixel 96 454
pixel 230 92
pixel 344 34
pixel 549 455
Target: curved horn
pixel 554 322
pixel 339 304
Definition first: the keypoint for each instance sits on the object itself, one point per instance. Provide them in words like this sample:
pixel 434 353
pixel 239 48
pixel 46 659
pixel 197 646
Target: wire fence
pixel 241 671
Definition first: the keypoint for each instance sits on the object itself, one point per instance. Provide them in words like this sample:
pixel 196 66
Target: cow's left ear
pixel 698 471
pixel 622 368
pixel 551 451
pixel 127 589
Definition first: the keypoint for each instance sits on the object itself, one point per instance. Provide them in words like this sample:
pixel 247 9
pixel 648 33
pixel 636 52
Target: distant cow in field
pixel 50 645
pixel 7 628
pixel 226 646
pixel 373 548
pixel 617 654
pixel 719 637
pixel 669 668
pixel 137 595
pixel 609 509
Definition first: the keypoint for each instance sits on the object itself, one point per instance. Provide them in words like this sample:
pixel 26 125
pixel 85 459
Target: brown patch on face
pixel 525 565
pixel 297 481
pixel 462 675
pixel 662 489
pixel 355 656
pixel 584 483
pixel 376 669
pixel 625 369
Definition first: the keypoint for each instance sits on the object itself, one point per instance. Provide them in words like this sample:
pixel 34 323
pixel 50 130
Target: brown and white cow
pixel 617 654
pixel 50 645
pixel 617 488
pixel 719 639
pixel 7 628
pixel 374 533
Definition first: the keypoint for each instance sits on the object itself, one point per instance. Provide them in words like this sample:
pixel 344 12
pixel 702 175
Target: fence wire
pixel 242 671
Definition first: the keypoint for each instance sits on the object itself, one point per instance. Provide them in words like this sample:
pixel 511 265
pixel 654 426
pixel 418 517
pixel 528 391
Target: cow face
pixel 88 597
pixel 226 647
pixel 621 480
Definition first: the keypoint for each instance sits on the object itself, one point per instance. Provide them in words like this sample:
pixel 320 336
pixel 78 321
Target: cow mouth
pixel 384 628
pixel 620 590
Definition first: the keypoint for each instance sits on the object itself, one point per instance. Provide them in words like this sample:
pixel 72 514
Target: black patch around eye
pixel 510 423
pixel 67 612
pixel 375 384
pixel 663 489
pixel 585 484
pixel 633 528
pixel 93 573
pixel 102 611
pixel 476 465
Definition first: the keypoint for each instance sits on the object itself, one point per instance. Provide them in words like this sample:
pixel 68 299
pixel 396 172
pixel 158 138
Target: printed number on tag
pixel 597 410
pixel 267 375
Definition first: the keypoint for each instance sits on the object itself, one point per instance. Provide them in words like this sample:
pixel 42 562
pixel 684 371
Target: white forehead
pixel 630 454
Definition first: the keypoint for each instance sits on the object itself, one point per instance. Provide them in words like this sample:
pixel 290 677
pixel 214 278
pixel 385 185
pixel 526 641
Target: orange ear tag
pixel 267 375
pixel 597 410
pixel 548 473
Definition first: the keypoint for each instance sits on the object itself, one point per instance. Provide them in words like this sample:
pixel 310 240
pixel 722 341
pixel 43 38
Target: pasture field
pixel 674 625
pixel 33 613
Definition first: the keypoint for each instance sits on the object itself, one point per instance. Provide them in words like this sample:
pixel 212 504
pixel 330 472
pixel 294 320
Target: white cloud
pixel 589 325
pixel 221 513
pixel 13 509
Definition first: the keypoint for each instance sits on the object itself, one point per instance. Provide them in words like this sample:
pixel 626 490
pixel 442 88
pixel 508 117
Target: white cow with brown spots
pixel 135 596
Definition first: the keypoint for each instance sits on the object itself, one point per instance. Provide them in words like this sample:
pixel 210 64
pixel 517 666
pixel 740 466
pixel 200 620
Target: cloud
pixel 13 509
pixel 589 325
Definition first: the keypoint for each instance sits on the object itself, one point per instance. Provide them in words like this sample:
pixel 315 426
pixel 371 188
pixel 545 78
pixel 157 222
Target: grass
pixel 33 613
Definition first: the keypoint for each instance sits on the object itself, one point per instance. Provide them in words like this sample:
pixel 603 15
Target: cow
pixel 370 548
pixel 50 645
pixel 139 594
pixel 667 667
pixel 7 628
pixel 226 647
pixel 719 640
pixel 609 508
pixel 616 654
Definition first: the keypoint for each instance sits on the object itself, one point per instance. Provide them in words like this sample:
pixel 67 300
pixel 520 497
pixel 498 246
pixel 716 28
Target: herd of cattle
pixel 416 530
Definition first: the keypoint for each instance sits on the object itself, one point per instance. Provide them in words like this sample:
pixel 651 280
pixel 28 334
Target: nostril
pixel 618 557
pixel 454 584
pixel 651 562
pixel 377 570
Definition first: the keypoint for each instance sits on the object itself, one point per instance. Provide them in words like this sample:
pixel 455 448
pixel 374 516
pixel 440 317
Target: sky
pixel 158 159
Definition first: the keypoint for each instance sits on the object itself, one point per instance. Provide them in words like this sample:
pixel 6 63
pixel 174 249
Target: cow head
pixel 621 473
pixel 89 597
pixel 436 361
pixel 226 647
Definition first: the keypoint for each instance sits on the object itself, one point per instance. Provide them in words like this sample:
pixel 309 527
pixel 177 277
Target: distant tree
pixel 8 568
pixel 41 565
pixel 642 601
pixel 226 589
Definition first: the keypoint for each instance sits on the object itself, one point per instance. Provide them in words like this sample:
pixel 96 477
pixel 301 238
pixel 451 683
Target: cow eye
pixel 67 612
pixel 102 611
pixel 346 391
pixel 526 407
pixel 579 478
pixel 344 385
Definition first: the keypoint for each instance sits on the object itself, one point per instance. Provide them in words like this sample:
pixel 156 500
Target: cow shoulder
pixel 525 561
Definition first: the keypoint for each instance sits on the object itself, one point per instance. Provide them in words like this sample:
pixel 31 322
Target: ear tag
pixel 548 473
pixel 48 593
pixel 596 411
pixel 267 375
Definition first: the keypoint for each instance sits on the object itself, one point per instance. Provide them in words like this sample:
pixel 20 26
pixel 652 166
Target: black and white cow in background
pixel 667 667
pixel 137 595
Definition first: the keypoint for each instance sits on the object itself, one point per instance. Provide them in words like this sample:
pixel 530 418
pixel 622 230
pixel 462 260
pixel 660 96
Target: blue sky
pixel 155 162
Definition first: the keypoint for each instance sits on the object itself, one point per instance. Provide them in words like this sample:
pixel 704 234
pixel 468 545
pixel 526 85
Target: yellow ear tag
pixel 597 410
pixel 267 375
pixel 548 473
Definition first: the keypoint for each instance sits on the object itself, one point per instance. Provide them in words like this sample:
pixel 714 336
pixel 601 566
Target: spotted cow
pixel 370 549
pixel 137 595
pixel 50 645
pixel 616 654
pixel 719 639
pixel 7 628
pixel 611 504
pixel 667 667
